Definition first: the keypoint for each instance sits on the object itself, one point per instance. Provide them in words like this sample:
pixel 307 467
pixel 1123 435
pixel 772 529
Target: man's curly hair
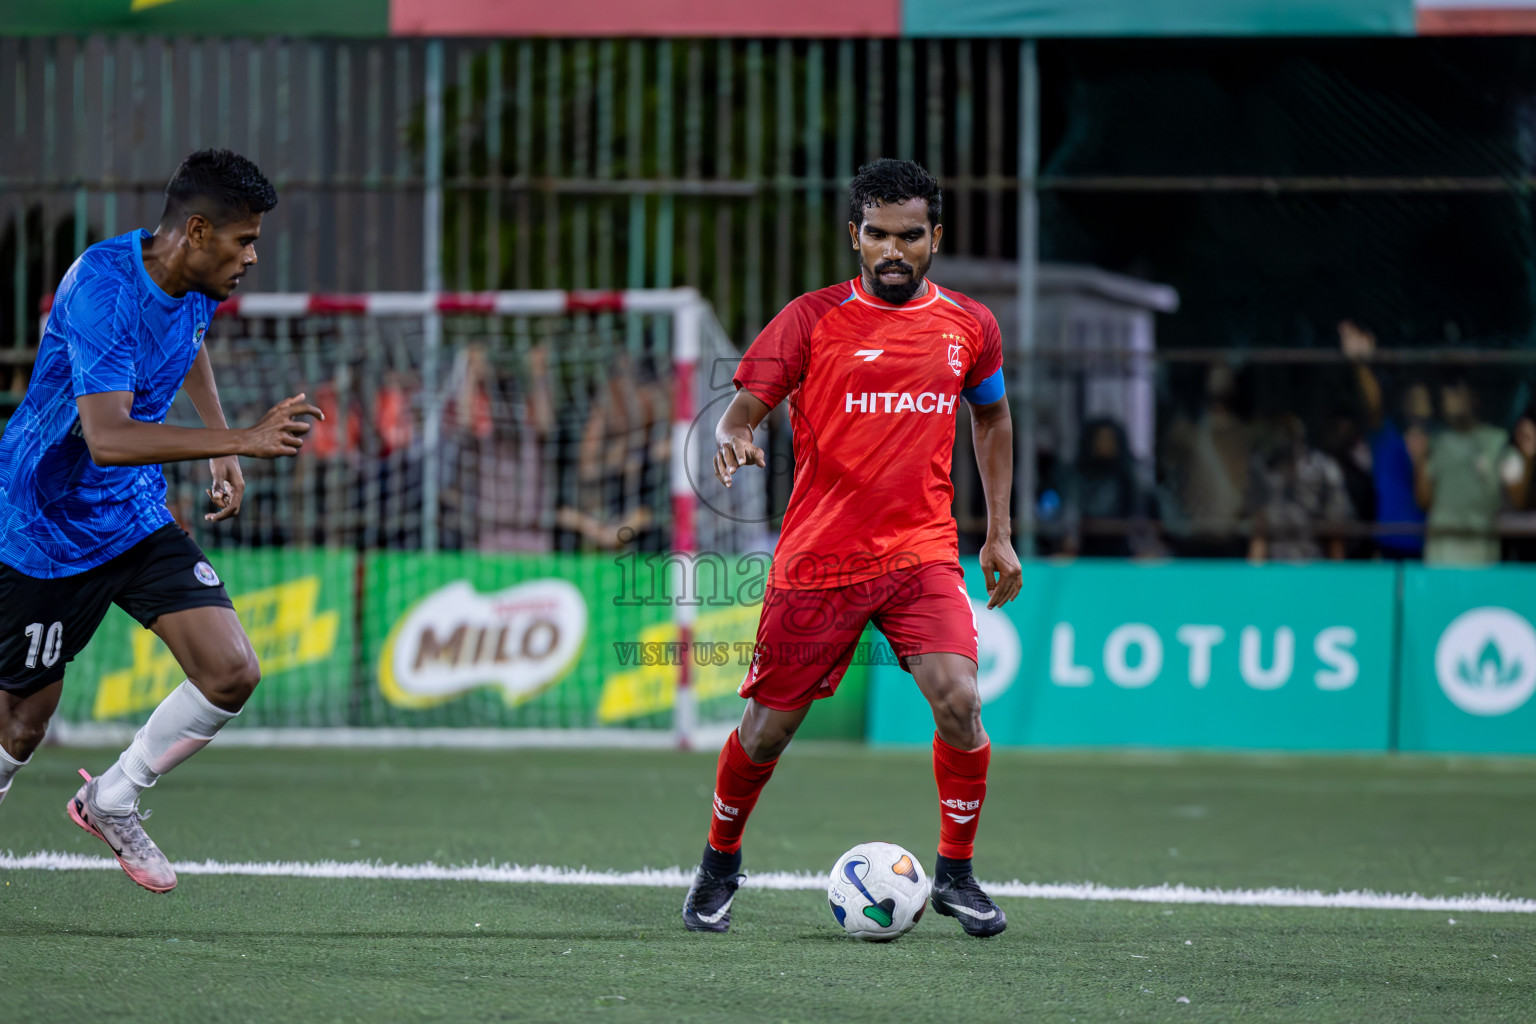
pixel 893 181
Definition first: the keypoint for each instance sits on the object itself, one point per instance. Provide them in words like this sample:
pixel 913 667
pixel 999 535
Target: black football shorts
pixel 44 623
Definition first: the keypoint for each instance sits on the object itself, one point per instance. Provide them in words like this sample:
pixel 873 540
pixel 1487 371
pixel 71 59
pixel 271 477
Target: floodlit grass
pixel 90 945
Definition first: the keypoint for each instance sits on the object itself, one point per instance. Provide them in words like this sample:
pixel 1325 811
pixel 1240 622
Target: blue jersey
pixel 111 329
pixel 1392 471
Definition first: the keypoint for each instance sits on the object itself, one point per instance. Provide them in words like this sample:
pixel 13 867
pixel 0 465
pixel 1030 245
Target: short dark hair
pixel 893 181
pixel 219 184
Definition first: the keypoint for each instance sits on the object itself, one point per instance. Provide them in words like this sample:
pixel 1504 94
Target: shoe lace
pixel 711 886
pixel 129 826
pixel 967 886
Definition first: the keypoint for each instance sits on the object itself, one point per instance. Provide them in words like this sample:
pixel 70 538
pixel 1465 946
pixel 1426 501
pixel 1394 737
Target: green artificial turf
pixel 78 946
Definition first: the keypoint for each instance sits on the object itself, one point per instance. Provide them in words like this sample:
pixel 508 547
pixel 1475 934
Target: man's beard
pixel 895 294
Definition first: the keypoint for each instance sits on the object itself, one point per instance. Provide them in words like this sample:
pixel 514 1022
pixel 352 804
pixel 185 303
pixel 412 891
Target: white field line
pixel 108 734
pixel 679 878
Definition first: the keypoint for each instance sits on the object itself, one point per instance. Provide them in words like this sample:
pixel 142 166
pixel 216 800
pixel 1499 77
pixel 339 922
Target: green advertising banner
pixel 552 641
pixel 1468 660
pixel 196 17
pixel 1223 655
pixel 296 607
pixel 1176 655
pixel 1121 18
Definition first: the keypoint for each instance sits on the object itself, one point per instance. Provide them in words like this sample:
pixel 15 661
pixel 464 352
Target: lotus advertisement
pixel 1208 655
pixel 1469 660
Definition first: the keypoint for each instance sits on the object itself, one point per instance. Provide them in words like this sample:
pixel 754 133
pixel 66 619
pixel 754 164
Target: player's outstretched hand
pixel 734 453
pixel 281 432
pixel 228 488
pixel 1000 569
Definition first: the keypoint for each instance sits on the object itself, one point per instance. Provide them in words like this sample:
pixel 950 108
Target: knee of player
pixel 233 681
pixel 765 742
pixel 768 745
pixel 21 736
pixel 960 704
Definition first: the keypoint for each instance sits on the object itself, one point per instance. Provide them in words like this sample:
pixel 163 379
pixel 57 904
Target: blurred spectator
pixel 1392 469
pixel 393 468
pixel 1522 516
pixel 362 456
pixel 494 427
pixel 1104 503
pixel 1463 475
pixel 1207 466
pixel 515 482
pixel 622 461
pixel 1345 444
pixel 1296 497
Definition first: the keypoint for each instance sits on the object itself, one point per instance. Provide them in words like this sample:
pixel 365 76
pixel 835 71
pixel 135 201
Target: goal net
pixel 507 524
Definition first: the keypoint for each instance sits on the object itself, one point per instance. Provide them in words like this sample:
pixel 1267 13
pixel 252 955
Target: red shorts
pixel 806 638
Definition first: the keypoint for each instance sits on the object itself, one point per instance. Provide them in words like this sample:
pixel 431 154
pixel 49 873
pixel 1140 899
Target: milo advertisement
pixel 554 641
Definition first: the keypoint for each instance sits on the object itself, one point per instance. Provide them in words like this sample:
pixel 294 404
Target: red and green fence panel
pixel 688 19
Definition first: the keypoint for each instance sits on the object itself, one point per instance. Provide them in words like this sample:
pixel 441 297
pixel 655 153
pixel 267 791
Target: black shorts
pixel 45 623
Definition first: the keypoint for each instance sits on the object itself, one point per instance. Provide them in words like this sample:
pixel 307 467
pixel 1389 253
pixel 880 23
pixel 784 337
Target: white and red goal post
pixel 404 482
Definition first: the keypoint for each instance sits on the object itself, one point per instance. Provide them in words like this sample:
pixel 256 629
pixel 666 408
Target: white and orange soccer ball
pixel 878 892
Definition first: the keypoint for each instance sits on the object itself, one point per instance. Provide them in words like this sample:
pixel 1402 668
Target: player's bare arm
pixel 992 435
pixel 227 491
pixel 733 436
pixel 115 438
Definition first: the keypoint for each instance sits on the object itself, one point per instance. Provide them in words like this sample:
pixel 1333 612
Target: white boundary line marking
pixel 679 878
pixel 107 734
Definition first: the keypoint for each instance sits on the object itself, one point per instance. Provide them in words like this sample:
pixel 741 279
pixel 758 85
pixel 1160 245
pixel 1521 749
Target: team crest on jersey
pixel 956 347
pixel 205 574
pixel 198 332
pixel 954 356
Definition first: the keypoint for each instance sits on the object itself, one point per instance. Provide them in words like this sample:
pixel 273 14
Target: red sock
pixel 738 782
pixel 962 779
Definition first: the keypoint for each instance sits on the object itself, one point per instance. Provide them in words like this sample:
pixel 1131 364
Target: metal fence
pixel 1277 187
pixel 557 164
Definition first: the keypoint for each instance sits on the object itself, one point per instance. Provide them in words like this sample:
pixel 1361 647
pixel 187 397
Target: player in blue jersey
pixel 83 522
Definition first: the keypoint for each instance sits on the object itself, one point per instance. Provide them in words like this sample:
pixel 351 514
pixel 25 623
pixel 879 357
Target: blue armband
pixel 987 392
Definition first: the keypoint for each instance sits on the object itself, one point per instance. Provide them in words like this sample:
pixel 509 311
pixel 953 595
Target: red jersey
pixel 873 391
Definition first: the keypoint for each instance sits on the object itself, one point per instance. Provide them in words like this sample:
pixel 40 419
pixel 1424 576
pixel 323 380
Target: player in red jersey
pixel 873 369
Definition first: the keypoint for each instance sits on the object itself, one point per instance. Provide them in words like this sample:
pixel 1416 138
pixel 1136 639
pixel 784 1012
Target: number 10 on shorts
pixel 47 646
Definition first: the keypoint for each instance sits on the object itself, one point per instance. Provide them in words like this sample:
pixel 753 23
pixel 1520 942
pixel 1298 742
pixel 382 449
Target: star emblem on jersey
pixel 205 574
pixel 869 355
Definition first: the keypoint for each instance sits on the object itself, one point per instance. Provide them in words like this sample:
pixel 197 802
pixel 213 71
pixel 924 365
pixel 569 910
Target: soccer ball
pixel 878 892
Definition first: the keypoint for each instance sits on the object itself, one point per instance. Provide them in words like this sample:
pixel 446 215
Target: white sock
pixel 9 766
pixel 180 727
